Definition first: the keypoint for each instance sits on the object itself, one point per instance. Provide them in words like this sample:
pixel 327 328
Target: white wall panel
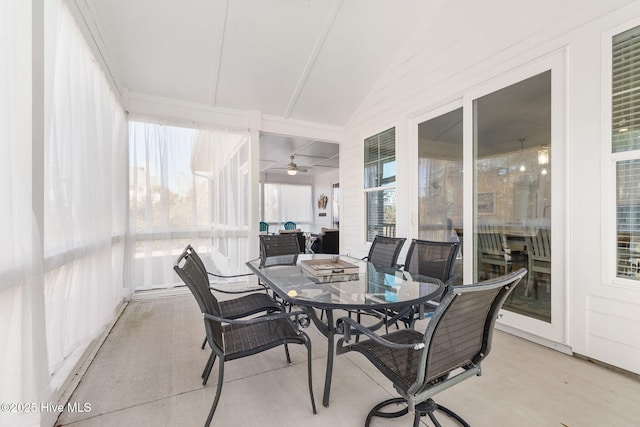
pixel 488 40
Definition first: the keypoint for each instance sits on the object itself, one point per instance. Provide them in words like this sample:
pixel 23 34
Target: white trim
pixel 176 111
pixel 534 338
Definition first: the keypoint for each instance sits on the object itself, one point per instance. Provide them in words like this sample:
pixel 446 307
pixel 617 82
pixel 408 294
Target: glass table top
pixel 345 282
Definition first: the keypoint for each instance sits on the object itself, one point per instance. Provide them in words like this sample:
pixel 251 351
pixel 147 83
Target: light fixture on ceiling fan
pixel 293 169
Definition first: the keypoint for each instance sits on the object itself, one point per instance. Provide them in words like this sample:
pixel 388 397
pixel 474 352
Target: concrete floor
pixel 147 373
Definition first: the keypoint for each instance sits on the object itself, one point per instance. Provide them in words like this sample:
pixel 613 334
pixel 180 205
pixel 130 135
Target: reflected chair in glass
pixel 289 225
pixel 539 259
pixel 237 308
pixel 264 227
pixel 493 249
pixel 435 260
pixel 231 339
pixel 456 341
pixel 384 251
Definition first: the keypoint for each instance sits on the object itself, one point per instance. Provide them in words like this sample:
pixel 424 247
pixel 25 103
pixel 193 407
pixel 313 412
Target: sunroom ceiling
pixel 311 60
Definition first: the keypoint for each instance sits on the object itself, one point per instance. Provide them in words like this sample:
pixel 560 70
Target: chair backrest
pixel 539 245
pixel 190 251
pixel 264 227
pixel 461 330
pixel 385 250
pixel 331 242
pixel 279 249
pixel 289 225
pixel 433 259
pixel 192 274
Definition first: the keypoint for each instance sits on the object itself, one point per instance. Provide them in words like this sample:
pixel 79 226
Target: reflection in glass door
pixel 335 205
pixel 440 180
pixel 512 190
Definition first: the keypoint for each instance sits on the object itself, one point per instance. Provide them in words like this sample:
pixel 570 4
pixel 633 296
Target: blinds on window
pixel 379 159
pixel 379 180
pixel 626 91
pixel 381 213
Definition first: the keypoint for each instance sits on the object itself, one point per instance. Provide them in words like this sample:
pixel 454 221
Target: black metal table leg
pixel 330 352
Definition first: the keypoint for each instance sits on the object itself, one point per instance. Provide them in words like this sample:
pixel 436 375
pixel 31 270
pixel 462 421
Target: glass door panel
pixel 440 180
pixel 512 191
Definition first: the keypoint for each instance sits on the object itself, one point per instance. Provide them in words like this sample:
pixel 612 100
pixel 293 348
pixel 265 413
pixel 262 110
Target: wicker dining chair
pixel 290 225
pixel 384 251
pixel 456 341
pixel 435 260
pixel 256 301
pixel 279 249
pixel 232 339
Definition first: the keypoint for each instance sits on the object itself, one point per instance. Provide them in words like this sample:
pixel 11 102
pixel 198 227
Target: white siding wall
pixel 461 48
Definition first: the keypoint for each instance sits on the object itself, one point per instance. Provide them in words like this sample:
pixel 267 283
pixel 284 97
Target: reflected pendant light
pixel 543 156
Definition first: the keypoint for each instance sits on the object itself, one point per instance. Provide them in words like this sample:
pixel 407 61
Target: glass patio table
pixel 330 282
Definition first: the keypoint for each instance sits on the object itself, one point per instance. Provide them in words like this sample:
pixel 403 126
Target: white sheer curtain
pixel 85 197
pixel 187 186
pixel 23 373
pixel 288 202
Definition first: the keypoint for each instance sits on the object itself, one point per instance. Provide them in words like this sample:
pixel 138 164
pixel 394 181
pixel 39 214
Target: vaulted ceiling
pixel 311 60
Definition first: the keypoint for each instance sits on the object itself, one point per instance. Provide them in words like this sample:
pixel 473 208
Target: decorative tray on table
pixel 330 270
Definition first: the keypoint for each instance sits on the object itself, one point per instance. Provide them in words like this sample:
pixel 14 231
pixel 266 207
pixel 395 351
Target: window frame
pixel 610 161
pixel 381 185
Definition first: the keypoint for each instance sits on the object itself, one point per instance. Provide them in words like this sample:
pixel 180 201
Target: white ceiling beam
pixel 216 78
pixel 313 56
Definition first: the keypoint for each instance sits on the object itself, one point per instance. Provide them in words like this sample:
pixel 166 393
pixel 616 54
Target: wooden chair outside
pixel 493 249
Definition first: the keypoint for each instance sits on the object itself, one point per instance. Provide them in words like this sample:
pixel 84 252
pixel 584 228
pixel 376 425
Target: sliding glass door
pixel 489 173
pixel 515 143
pixel 512 190
pixel 440 180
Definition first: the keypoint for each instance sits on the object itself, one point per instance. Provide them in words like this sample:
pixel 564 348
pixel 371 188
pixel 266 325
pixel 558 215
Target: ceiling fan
pixel 293 168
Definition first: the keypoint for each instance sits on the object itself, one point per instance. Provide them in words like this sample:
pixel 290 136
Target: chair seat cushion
pixel 400 366
pixel 248 305
pixel 245 340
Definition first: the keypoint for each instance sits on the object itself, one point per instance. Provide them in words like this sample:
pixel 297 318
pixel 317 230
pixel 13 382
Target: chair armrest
pixel 238 291
pixel 344 326
pixel 224 291
pixel 260 319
